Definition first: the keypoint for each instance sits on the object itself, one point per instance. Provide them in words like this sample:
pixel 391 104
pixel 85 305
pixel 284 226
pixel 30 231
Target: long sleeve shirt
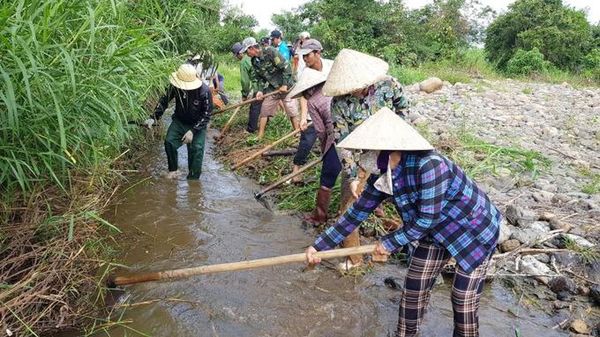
pixel 284 50
pixel 349 111
pixel 271 71
pixel 246 76
pixel 319 108
pixel 192 107
pixel 437 201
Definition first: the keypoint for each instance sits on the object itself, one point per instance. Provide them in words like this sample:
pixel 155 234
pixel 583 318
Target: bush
pixel 526 62
pixel 560 33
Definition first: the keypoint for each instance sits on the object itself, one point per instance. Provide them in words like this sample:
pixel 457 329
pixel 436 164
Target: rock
pixel 505 232
pixel 556 223
pixel 581 242
pixel 544 258
pixel 561 283
pixel 564 296
pixel 535 232
pixel 414 88
pixel 542 196
pixel 547 216
pixel 509 245
pixel 550 131
pixel 431 84
pixel 560 198
pixel 567 259
pixel 595 293
pixel 520 216
pixel 580 326
pixel 530 265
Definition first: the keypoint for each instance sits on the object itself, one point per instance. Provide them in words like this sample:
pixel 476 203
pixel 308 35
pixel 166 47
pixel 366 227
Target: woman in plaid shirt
pixel 442 209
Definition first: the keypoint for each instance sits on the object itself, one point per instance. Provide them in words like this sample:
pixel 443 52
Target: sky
pixel 263 9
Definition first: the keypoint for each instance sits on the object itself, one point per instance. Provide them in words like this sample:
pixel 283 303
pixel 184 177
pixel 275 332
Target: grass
pixel 592 186
pixel 480 158
pixel 588 254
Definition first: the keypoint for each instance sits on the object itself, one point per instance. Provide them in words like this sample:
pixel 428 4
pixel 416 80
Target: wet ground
pixel 171 224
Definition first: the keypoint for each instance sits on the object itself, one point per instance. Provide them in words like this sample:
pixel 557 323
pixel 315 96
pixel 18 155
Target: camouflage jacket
pixel 271 71
pixel 349 111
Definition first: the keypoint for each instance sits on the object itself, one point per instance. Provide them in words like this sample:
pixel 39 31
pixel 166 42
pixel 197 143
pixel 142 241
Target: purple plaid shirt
pixel 437 202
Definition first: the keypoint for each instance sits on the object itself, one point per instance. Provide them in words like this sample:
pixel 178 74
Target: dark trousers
pixel 331 168
pixel 195 149
pixel 307 140
pixel 253 115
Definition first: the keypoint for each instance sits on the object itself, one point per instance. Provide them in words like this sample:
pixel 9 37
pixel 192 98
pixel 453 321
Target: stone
pixel 509 245
pixel 431 84
pixel 561 283
pixel 579 326
pixel 530 265
pixel 550 131
pixel 533 233
pixel 581 242
pixel 595 294
pixel 542 196
pixel 520 216
pixel 505 232
pixel 559 198
pixel 556 223
pixel 544 258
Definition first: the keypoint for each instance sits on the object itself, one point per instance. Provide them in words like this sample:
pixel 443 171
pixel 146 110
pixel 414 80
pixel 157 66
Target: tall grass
pixel 74 73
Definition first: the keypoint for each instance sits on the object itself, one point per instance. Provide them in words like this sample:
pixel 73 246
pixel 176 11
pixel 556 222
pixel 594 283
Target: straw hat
pixel 352 71
pixel 185 77
pixel 308 79
pixel 385 130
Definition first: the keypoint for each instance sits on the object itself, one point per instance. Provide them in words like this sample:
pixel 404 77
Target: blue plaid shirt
pixel 437 202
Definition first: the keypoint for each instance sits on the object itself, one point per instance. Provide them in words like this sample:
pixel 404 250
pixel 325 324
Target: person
pixel 265 41
pixel 247 90
pixel 360 86
pixel 278 42
pixel 311 50
pixel 298 61
pixel 193 106
pixel 443 211
pixel 271 72
pixel 309 86
pixel 220 98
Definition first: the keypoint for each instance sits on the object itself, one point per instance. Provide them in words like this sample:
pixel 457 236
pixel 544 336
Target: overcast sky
pixel 262 9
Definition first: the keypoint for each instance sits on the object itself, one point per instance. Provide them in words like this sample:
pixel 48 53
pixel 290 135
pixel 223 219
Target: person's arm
pixel 284 66
pixel 245 78
pixel 399 101
pixel 303 113
pixel 208 104
pixel 354 216
pixel 163 103
pixel 432 182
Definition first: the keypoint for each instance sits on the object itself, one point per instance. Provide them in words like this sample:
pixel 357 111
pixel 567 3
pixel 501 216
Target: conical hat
pixel 185 77
pixel 352 71
pixel 308 79
pixel 385 130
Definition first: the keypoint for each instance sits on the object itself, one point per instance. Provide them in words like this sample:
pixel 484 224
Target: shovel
pixel 266 148
pixel 242 103
pixel 233 266
pixel 259 195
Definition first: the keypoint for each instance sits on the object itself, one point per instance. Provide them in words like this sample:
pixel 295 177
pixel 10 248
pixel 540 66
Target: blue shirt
pixel 437 201
pixel 284 50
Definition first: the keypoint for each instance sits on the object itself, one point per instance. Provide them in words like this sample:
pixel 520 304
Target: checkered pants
pixel 425 265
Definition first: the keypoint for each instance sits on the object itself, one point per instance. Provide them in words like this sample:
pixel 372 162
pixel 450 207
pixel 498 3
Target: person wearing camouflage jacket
pixel 271 73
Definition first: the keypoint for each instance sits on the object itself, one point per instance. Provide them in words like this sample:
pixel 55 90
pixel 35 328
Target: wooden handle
pixel 234 266
pixel 240 104
pixel 266 148
pixel 226 127
pixel 288 177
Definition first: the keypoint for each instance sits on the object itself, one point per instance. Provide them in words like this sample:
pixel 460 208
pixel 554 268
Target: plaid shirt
pixel 437 202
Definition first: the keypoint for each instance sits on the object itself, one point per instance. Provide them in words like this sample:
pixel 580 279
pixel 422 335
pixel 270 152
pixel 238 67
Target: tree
pixel 560 33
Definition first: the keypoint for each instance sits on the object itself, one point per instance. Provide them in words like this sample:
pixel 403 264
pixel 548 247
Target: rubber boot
pixel 319 215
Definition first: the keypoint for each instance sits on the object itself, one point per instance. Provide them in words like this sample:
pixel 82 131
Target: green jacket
pixel 246 76
pixel 271 71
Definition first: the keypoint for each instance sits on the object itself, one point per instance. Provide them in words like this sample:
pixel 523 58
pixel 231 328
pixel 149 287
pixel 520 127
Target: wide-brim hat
pixel 185 78
pixel 385 130
pixel 353 70
pixel 308 79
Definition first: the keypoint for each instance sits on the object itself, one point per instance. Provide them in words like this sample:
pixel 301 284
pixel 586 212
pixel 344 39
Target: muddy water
pixel 172 224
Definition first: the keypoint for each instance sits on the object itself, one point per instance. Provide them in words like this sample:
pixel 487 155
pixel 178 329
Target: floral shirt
pixel 349 111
